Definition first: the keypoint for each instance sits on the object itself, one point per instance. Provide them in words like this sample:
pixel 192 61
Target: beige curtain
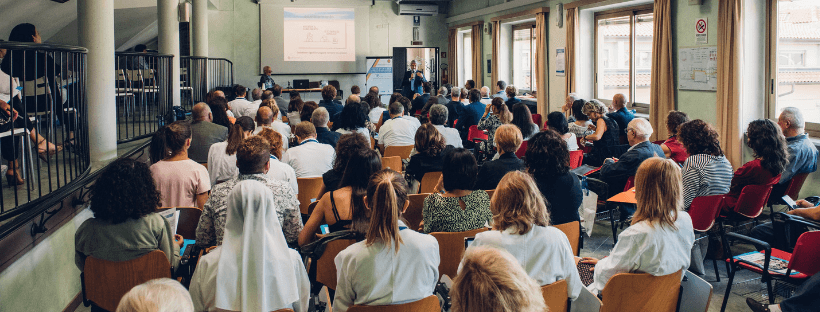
pixel 478 54
pixel 541 25
pixel 728 80
pixel 662 85
pixel 452 64
pixel 572 27
pixel 496 46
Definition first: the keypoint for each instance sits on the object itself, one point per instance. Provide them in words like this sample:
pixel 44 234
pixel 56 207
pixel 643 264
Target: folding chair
pixel 792 189
pixel 573 232
pixel 704 211
pixel 188 220
pixel 641 292
pixel 413 214
pixel 325 267
pixel 556 296
pixel 429 181
pixel 105 282
pixel 451 250
pixel 429 304
pixel 308 190
pixel 392 162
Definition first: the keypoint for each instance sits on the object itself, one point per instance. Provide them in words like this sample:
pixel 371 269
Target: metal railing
pixel 45 86
pixel 142 104
pixel 199 75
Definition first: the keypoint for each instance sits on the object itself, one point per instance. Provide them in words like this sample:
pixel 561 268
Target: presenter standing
pixel 265 80
pixel 412 82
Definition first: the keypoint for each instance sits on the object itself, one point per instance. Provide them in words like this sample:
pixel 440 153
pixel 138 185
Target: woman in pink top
pixel 672 148
pixel 181 181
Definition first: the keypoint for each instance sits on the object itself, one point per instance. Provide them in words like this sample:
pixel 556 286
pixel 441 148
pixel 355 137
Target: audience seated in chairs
pixel 280 101
pixel 660 238
pixel 804 209
pixel 706 171
pixel 495 115
pixel 802 152
pixel 399 130
pixel 319 118
pixel 219 109
pixel 125 225
pixel 306 114
pixel 438 117
pixel 620 114
pixel 579 127
pixel 672 147
pixel 454 108
pixel 470 116
pixel 430 150
pixel 222 155
pixel 547 161
pixel 511 100
pixel 162 294
pixel 394 264
pixel 442 97
pixel 252 160
pixel 348 146
pixel 344 208
pixel 295 111
pixel 419 100
pixel 522 118
pixel 204 132
pixel 253 270
pixel 278 170
pixel 460 208
pixel 353 119
pixel 241 106
pixel 491 280
pixel 265 119
pixel 310 159
pixel 501 88
pixel 557 122
pixel 328 101
pixel 606 135
pixel 521 227
pixel 373 101
pixel 766 140
pixel 507 141
pixel 181 181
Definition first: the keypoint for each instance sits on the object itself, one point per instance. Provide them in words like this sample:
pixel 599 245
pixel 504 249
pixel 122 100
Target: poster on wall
pixel 560 62
pixel 697 68
pixel 380 74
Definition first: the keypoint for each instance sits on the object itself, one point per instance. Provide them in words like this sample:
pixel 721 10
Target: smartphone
pixel 790 202
pixel 468 241
pixel 325 228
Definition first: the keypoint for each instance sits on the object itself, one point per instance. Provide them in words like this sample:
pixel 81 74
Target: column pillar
pixel 168 21
pixel 96 28
pixel 199 27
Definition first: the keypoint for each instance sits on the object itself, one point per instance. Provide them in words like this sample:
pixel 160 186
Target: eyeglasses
pixel 627 130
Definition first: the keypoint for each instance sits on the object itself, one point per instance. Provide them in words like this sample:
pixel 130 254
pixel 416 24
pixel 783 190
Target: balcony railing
pixel 199 75
pixel 142 104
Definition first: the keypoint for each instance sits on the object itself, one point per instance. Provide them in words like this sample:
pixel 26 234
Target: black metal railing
pixel 199 75
pixel 144 99
pixel 45 86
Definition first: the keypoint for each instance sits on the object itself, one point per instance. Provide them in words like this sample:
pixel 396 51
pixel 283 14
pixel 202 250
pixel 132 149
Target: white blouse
pixel 221 166
pixel 377 275
pixel 375 114
pixel 572 142
pixel 203 283
pixel 280 171
pixel 657 250
pixel 362 131
pixel 544 252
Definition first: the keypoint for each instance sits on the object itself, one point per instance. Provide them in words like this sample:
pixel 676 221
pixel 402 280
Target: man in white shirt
pixel 485 95
pixel 310 159
pixel 400 130
pixel 240 105
pixel 264 119
pixel 438 116
pixel 256 95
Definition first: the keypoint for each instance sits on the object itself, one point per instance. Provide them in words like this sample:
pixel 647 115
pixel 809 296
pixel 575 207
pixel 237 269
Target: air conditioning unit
pixel 418 9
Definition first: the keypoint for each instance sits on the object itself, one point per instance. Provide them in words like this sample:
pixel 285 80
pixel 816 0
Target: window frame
pixel 533 48
pixel 630 12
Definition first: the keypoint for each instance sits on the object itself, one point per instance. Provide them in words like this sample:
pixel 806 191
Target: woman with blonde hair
pixel 490 280
pixel 606 133
pixel 495 115
pixel 521 227
pixel 157 295
pixel 394 264
pixel 661 236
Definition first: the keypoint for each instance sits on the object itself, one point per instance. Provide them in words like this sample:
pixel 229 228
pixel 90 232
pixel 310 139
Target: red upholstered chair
pixel 536 118
pixel 523 151
pixel 476 134
pixel 704 211
pixel 751 201
pixel 792 190
pixel 576 158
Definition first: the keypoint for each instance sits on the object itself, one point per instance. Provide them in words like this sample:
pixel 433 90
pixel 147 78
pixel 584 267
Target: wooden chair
pixel 372 143
pixel 451 250
pixel 573 232
pixel 490 192
pixel 308 190
pixel 188 220
pixel 285 119
pixel 429 181
pixel 413 214
pixel 392 162
pixel 105 282
pixel 401 151
pixel 429 304
pixel 641 292
pixel 555 296
pixel 325 268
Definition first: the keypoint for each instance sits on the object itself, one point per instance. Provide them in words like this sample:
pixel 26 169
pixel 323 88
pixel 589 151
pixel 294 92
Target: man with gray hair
pixel 320 119
pixel 442 96
pixel 438 117
pixel 485 95
pixel 204 133
pixel 616 171
pixel 502 90
pixel 400 130
pixel 454 107
pixel 802 153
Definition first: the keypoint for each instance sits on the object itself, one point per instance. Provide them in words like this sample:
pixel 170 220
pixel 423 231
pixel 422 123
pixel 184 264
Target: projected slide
pixel 317 34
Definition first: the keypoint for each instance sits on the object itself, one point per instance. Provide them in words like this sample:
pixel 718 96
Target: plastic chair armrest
pixel 767 249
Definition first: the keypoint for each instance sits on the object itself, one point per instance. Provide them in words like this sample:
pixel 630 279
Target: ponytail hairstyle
pixel 169 140
pixel 236 133
pixel 501 109
pixel 360 166
pixel 386 197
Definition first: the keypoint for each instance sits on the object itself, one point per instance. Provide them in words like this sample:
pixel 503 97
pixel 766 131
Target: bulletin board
pixel 697 68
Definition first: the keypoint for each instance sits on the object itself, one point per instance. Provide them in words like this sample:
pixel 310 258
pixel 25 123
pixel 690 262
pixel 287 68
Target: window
pixel 623 54
pixel 795 71
pixel 523 71
pixel 467 58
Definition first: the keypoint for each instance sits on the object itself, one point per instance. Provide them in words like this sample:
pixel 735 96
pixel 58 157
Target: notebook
pixel 776 265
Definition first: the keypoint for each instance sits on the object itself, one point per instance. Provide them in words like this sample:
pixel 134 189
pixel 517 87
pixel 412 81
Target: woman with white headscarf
pixel 253 270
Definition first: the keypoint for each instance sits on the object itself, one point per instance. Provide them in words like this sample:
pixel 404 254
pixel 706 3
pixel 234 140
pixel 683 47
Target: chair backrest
pixel 658 142
pixel 576 158
pixel 451 250
pixel 35 87
pixel 308 190
pixel 573 232
pixel 429 181
pixel 641 292
pixel 401 151
pixel 704 210
pixel 630 182
pixel 188 220
pixel 474 133
pixel 325 267
pixel 392 162
pixel 490 193
pixel 795 185
pixel 429 304
pixel 806 252
pixel 522 151
pixel 555 296
pixel 372 143
pixel 752 200
pixel 413 214
pixel 105 282
pixel 536 119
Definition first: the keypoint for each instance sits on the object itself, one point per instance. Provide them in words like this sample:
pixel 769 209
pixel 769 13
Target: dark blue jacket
pixel 418 103
pixel 616 173
pixel 622 117
pixel 470 116
pixel 324 135
pixel 511 102
pixel 334 108
pixel 454 110
pixel 491 172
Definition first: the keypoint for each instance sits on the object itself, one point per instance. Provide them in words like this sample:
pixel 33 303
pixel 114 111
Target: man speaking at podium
pixel 412 81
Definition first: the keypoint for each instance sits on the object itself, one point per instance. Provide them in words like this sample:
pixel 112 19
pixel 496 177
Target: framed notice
pixel 560 62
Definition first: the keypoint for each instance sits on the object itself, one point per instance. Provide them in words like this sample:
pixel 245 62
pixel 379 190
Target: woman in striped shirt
pixel 706 171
